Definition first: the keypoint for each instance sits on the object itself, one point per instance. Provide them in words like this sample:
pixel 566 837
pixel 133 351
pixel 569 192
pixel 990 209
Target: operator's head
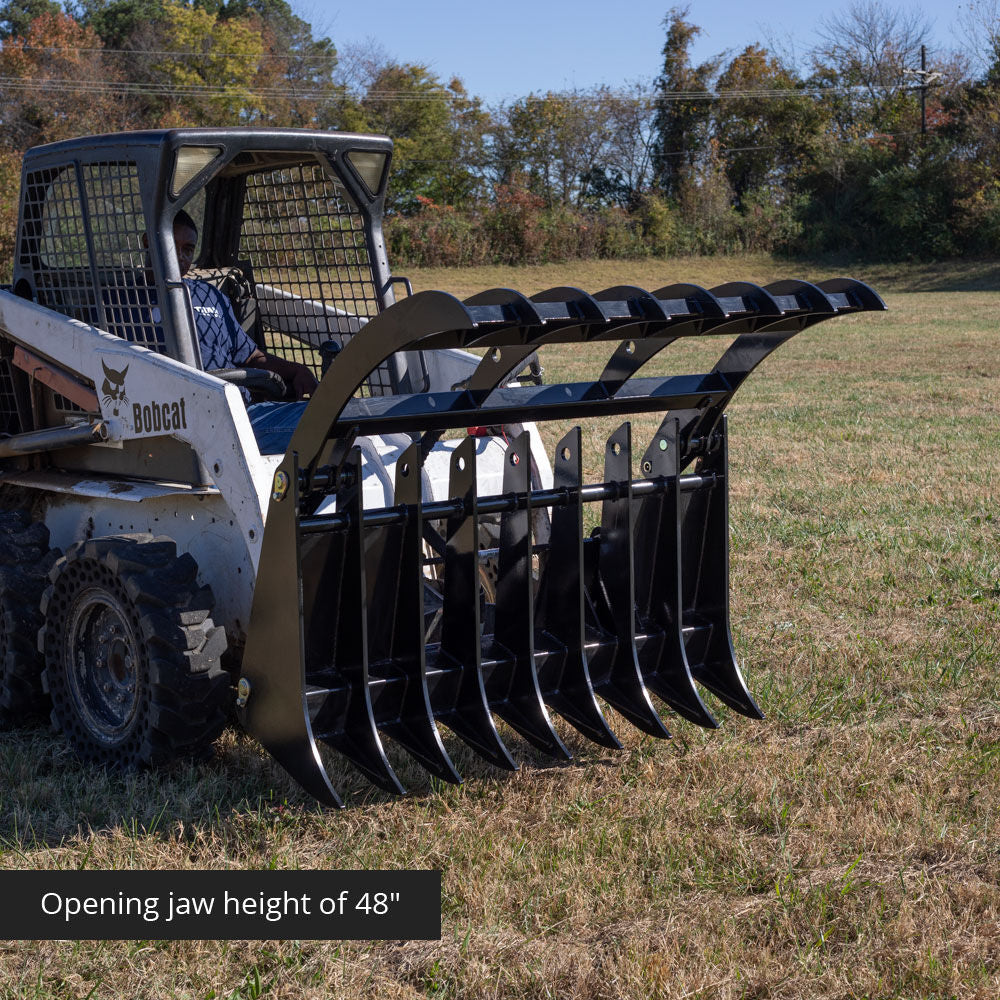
pixel 185 240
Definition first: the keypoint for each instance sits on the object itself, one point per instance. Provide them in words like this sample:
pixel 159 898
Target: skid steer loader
pixel 379 576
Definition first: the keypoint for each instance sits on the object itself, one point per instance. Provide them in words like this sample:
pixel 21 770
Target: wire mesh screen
pixel 9 422
pixel 53 243
pixel 307 247
pixel 128 295
pixel 111 290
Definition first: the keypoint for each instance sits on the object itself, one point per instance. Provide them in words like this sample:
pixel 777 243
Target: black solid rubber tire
pixel 25 562
pixel 174 690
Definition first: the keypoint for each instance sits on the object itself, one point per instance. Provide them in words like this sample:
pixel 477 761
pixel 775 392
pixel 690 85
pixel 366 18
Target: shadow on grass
pixel 48 798
pixel 929 276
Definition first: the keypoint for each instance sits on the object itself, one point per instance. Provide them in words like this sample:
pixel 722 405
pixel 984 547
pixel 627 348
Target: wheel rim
pixel 102 658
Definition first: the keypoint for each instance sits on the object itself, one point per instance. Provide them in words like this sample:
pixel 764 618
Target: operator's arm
pixel 299 377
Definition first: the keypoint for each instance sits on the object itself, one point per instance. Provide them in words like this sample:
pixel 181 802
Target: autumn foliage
pixel 740 152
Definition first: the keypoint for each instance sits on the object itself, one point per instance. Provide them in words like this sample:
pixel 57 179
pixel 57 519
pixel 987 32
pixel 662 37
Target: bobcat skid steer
pixel 379 576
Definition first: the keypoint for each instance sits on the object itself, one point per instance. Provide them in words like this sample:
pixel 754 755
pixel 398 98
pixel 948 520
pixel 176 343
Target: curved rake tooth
pixel 415 729
pixel 276 712
pixel 564 679
pixel 469 716
pixel 350 729
pixel 631 355
pixel 858 294
pixel 498 365
pixel 521 704
pixel 658 579
pixel 624 688
pixel 705 515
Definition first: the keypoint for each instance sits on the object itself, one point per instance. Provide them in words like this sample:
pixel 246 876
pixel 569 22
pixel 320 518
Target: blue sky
pixel 508 49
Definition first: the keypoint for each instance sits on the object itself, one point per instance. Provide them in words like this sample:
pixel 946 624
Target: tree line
pixel 833 153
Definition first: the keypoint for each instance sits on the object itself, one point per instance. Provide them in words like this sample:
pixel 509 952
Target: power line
pixel 173 52
pixel 60 85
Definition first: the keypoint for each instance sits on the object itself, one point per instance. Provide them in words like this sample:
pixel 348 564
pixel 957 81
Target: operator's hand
pixel 303 382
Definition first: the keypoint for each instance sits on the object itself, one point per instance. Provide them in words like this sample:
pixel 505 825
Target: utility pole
pixel 926 78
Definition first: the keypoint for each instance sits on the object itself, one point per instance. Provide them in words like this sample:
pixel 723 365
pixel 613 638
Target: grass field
pixel 848 846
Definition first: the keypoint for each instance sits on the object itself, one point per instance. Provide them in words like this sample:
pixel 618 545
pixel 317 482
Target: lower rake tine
pixel 415 729
pixel 521 704
pixel 624 688
pixel 470 715
pixel 719 672
pixel 358 739
pixel 275 663
pixel 302 761
pixel 658 582
pixel 565 680
pixel 300 758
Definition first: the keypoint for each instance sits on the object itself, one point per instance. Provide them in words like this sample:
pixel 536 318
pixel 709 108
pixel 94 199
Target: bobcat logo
pixel 113 389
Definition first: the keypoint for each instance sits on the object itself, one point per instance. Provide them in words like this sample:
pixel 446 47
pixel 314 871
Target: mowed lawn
pixel 848 846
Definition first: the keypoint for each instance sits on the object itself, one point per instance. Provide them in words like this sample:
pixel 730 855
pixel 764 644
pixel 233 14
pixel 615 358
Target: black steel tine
pixel 687 295
pixel 506 316
pixel 276 711
pixel 624 688
pixel 744 296
pixel 415 728
pixel 519 702
pixel 460 623
pixel 856 294
pixel 517 305
pixel 357 737
pixel 498 364
pixel 631 355
pixel 815 300
pixel 565 680
pixel 665 666
pixel 705 516
pixel 583 302
pixel 628 358
pixel 576 305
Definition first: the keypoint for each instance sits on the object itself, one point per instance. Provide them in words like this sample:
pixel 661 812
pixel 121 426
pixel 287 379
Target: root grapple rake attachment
pixel 370 623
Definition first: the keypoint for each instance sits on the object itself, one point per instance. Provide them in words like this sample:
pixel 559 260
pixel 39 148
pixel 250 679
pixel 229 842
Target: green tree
pixel 862 61
pixel 437 131
pixel 121 24
pixel 297 68
pixel 210 65
pixel 16 16
pixel 568 146
pixel 684 105
pixel 767 129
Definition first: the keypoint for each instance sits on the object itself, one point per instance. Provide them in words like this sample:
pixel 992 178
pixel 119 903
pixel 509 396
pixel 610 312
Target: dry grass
pixel 846 847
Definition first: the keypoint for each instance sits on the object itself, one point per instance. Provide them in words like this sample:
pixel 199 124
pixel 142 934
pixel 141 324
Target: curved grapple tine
pixel 623 688
pixel 414 728
pixel 705 514
pixel 855 295
pixel 564 677
pixel 519 701
pixel 349 725
pixel 469 712
pixel 498 365
pixel 659 543
pixel 631 355
pixel 275 705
